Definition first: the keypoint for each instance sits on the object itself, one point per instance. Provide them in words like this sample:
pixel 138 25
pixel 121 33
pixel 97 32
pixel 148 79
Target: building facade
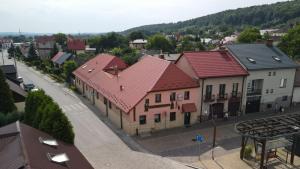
pixel 44 45
pixel 269 85
pixel 221 81
pixel 145 97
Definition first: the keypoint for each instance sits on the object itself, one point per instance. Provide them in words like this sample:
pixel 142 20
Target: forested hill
pixel 278 15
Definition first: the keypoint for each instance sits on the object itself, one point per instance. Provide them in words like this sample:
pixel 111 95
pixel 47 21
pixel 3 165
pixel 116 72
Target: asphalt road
pixel 98 143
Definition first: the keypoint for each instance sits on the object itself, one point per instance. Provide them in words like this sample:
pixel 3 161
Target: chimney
pixel 269 43
pixel 116 70
pixel 162 56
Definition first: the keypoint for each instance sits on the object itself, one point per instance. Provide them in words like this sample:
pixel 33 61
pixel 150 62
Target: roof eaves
pixel 25 155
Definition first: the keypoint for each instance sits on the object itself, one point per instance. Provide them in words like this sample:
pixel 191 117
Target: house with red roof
pixel 44 45
pixel 221 79
pixel 152 94
pixel 76 45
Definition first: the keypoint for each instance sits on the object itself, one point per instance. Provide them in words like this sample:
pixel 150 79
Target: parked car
pixel 28 87
pixel 20 79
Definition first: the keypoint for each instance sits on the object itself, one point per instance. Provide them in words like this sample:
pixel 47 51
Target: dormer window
pixel 277 59
pixel 58 158
pixel 49 142
pixel 251 60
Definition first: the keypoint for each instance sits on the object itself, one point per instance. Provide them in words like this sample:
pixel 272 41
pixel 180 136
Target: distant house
pixel 5 43
pixel 172 57
pixel 44 45
pixel 270 83
pixel 221 80
pixel 25 147
pixel 76 45
pixel 10 73
pixel 19 95
pixel 296 91
pixel 138 44
pixel 60 58
pixel 229 39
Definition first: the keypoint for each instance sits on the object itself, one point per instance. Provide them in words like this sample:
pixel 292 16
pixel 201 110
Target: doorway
pixel 217 110
pixel 187 118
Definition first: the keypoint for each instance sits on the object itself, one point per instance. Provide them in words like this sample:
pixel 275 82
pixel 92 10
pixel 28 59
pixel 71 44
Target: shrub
pixel 248 151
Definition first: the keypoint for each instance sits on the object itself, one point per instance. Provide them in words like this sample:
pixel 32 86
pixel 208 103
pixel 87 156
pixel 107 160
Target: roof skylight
pixel 49 142
pixel 251 60
pixel 276 58
pixel 84 66
pixel 58 158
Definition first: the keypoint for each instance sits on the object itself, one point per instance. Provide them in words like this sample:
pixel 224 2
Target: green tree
pixel 136 35
pixel 249 35
pixel 11 50
pixel 63 129
pixel 6 99
pixel 159 42
pixel 61 39
pixel 69 67
pixel 54 50
pixel 117 52
pixel 32 52
pixel 32 104
pixel 130 58
pixel 18 52
pixel 290 43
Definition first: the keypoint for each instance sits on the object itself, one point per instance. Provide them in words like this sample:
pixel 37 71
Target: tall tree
pixel 54 50
pixel 6 99
pixel 136 35
pixel 159 42
pixel 249 35
pixel 11 50
pixel 290 43
pixel 69 67
pixel 32 52
pixel 61 39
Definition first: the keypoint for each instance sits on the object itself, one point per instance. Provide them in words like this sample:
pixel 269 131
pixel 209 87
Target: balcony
pixel 236 95
pixel 209 98
pixel 222 97
pixel 253 92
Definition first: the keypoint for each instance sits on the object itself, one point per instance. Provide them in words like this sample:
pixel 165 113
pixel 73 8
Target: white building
pixel 269 85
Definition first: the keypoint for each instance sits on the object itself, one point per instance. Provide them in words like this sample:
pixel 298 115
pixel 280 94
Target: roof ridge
pixel 23 147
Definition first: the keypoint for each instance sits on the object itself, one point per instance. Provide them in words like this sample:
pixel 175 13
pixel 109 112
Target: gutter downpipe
pixel 201 103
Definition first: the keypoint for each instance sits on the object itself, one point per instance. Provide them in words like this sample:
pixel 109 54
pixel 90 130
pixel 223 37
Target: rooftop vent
pixel 276 58
pixel 91 70
pixel 84 66
pixel 49 142
pixel 58 158
pixel 251 60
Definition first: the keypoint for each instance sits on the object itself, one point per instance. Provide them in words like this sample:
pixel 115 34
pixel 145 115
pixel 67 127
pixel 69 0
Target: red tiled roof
pixel 57 56
pixel 148 75
pixel 76 44
pixel 44 39
pixel 189 107
pixel 116 62
pixel 214 64
pixel 96 65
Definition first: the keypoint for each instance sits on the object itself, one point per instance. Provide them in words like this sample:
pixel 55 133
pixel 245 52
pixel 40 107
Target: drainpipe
pixel 291 103
pixel 201 103
pixel 242 95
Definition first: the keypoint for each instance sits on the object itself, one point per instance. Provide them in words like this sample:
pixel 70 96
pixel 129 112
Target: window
pixel 272 91
pixel 222 90
pixel 186 95
pixel 146 105
pixel 284 98
pixel 274 73
pixel 235 88
pixel 173 96
pixel 283 83
pixel 251 60
pixel 172 105
pixel 276 58
pixel 267 91
pixel 142 119
pixel 208 92
pixel 270 73
pixel 172 116
pixel 157 118
pixel 105 101
pixel 157 98
pixel 109 104
pixel 134 114
pixel 269 106
pixel 97 94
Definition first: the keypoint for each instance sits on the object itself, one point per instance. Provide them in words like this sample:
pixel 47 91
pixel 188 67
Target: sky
pixel 98 16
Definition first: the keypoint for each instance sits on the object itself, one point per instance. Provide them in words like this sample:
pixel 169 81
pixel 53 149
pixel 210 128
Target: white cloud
pixel 104 15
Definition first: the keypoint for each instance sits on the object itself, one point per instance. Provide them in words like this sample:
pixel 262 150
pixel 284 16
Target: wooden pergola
pixel 269 129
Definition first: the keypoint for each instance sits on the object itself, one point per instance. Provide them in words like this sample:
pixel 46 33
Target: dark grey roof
pixel 63 58
pixel 15 88
pixel 262 55
pixel 7 69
